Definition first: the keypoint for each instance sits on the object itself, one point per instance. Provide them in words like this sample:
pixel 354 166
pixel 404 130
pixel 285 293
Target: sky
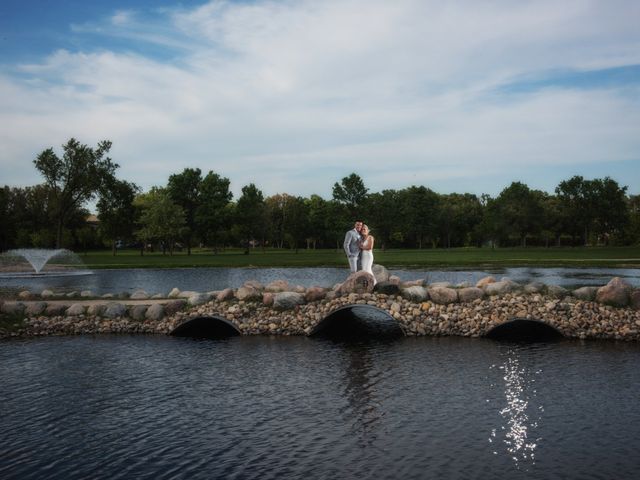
pixel 460 96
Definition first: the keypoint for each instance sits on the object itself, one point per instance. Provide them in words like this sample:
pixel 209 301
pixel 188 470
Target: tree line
pixel 198 209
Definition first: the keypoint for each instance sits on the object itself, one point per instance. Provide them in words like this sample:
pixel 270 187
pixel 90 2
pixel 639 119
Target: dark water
pixel 167 408
pixel 207 279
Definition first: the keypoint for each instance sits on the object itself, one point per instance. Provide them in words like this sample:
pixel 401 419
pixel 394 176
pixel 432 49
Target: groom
pixel 352 246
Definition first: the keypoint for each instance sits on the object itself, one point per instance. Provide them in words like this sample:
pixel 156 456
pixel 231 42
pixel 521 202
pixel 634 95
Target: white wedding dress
pixel 366 259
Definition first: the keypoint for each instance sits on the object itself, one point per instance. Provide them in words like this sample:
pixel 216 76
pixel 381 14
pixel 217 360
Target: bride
pixel 366 246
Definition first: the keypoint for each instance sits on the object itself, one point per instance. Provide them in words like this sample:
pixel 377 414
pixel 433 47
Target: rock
pixel 187 293
pixel 358 282
pixel 254 284
pixel 535 287
pixel 174 306
pixel 615 293
pixel 86 293
pixel 95 310
pixel 588 294
pixel 299 289
pixel 55 309
pixel 470 294
pixel 267 298
pixel 113 310
pixel 225 295
pixel 155 312
pixel 464 284
pixel 25 295
pixel 387 288
pixel 157 296
pixel 634 299
pixel 198 299
pixel 35 308
pixel 75 310
pixel 415 294
pixel 139 295
pixel 440 285
pixel 46 294
pixel 483 282
pixel 412 283
pixel 249 294
pixel 108 295
pixel 500 288
pixel 315 294
pixel 72 294
pixel 277 286
pixel 13 308
pixel 289 300
pixel 556 291
pixel 174 293
pixel 380 273
pixel 137 312
pixel 394 279
pixel 443 295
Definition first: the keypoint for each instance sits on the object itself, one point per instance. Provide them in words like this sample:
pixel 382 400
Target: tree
pixel 317 219
pixel 419 210
pixel 184 189
pixel 161 219
pixel 250 215
pixel 519 211
pixel 382 214
pixel 75 178
pixel 352 194
pixel 459 215
pixel 212 215
pixel 116 211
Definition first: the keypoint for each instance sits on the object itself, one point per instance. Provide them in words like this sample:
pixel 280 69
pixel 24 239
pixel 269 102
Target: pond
pixel 155 407
pixel 208 279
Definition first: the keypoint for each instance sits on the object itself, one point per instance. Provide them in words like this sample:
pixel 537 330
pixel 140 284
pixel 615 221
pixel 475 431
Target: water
pixel 265 407
pixel 207 279
pixel 38 258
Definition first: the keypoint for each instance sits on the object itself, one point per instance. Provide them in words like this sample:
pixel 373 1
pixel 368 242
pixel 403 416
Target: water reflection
pixel 520 410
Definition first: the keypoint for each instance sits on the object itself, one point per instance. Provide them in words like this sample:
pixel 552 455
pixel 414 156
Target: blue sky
pixel 293 95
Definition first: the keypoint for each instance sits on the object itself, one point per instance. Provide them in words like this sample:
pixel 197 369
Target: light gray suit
pixel 352 248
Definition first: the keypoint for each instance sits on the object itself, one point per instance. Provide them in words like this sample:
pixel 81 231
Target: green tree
pixel 518 209
pixel 250 215
pixel 161 219
pixel 212 216
pixel 459 215
pixel 116 211
pixel 74 178
pixel 184 189
pixel 317 219
pixel 352 194
pixel 382 215
pixel 419 210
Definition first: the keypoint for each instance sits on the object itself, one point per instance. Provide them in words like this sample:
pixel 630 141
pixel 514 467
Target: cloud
pixel 294 95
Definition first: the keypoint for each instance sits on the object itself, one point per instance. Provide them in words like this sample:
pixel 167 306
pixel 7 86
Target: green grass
pixel 452 258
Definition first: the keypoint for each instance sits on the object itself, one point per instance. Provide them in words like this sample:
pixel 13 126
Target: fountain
pixel 36 261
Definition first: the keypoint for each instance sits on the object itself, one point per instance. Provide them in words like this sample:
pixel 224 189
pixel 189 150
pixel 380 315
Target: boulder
pixel 500 288
pixel 25 295
pixel 464 284
pixel 535 287
pixel 470 294
pixel 174 293
pixel 267 299
pixel 415 294
pixel 443 295
pixel 55 309
pixel 380 272
pixel 254 284
pixel 187 293
pixel 86 293
pixel 615 293
pixel 412 283
pixel 556 291
pixel 139 295
pixel 155 312
pixel 46 294
pixel 358 282
pixel 35 308
pixel 634 299
pixel 277 286
pixel 315 294
pixel 137 312
pixel 249 294
pixel 440 285
pixel 299 289
pixel 225 295
pixel 387 288
pixel 157 296
pixel 394 279
pixel 108 295
pixel 13 308
pixel 198 299
pixel 588 294
pixel 483 282
pixel 174 306
pixel 95 310
pixel 72 294
pixel 113 310
pixel 288 300
pixel 75 310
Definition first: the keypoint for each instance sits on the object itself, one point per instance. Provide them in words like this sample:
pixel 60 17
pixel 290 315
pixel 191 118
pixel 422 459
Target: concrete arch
pixel 524 330
pixel 358 321
pixel 206 327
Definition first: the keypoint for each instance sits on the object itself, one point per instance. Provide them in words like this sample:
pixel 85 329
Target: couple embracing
pixel 358 245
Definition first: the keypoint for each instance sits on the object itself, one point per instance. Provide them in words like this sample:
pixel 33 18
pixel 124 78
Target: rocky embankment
pixel 611 311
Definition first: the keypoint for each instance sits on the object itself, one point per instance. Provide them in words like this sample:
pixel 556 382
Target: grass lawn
pixel 452 258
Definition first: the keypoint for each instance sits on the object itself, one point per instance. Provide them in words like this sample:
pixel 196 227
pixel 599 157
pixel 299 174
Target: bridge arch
pixel 206 327
pixel 524 330
pixel 358 321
